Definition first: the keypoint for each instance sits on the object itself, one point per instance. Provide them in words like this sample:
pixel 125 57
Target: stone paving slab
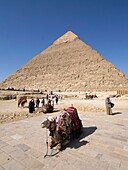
pixel 103 145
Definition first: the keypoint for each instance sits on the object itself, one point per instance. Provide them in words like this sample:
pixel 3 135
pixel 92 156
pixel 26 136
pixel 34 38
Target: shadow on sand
pixel 78 142
pixel 116 113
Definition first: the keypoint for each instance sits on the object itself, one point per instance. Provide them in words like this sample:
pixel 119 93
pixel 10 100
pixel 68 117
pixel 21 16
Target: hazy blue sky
pixel 27 27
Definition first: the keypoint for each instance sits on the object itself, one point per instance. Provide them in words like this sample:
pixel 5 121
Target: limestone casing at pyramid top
pixel 67 37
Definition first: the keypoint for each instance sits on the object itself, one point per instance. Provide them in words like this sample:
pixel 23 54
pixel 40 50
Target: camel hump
pixel 68 122
pixel 76 122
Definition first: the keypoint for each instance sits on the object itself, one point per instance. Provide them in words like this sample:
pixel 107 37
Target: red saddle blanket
pixel 68 121
pixel 75 121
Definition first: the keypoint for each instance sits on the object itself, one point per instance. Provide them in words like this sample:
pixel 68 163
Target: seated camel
pixel 47 108
pixel 61 129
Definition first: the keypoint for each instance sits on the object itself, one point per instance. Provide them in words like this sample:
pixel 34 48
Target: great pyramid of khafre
pixel 67 65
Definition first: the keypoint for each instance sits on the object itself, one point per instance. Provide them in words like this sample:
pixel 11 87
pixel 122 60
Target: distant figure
pixel 43 102
pixel 49 101
pixel 31 106
pixel 56 99
pixel 37 102
pixel 60 97
pixel 109 106
pixel 47 97
pixel 52 103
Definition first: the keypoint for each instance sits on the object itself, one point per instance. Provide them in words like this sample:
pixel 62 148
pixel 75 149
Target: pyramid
pixel 68 64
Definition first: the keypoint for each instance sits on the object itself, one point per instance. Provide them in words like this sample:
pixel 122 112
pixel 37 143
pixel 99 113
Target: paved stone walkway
pixel 103 145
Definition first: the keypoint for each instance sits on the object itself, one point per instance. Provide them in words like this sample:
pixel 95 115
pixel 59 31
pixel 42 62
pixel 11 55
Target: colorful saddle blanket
pixel 75 121
pixel 68 122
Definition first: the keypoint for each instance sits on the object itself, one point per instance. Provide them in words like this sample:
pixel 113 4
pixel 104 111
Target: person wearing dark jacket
pixel 56 99
pixel 31 106
pixel 43 102
pixel 37 102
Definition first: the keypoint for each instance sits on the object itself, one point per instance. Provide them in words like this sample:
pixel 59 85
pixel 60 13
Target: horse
pixel 62 128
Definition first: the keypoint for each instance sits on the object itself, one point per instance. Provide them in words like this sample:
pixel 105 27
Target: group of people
pixel 32 104
pixel 109 105
pixel 56 97
pixel 46 100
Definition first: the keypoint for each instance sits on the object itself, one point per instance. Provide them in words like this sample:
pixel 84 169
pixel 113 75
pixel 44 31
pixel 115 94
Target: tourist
pixel 109 106
pixel 31 106
pixel 56 99
pixel 37 102
pixel 43 102
pixel 47 97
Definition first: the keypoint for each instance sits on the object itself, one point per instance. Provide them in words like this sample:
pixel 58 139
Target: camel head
pixel 49 123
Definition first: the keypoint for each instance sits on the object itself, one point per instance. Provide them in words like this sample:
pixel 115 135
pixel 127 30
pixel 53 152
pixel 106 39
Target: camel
pixel 62 128
pixel 48 108
pixel 90 96
pixel 22 100
pixel 23 103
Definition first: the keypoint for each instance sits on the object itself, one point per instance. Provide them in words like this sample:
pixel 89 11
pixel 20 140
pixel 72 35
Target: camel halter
pixel 47 146
pixel 46 143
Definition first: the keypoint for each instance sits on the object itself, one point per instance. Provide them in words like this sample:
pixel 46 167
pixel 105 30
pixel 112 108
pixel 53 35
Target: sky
pixel 28 27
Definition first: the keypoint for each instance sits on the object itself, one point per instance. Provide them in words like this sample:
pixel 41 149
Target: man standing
pixel 56 99
pixel 108 106
pixel 37 102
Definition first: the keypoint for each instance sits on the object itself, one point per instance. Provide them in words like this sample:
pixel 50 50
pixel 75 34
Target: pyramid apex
pixel 67 37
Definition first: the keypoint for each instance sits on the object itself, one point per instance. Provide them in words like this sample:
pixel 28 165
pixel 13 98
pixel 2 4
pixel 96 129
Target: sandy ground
pixel 9 110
